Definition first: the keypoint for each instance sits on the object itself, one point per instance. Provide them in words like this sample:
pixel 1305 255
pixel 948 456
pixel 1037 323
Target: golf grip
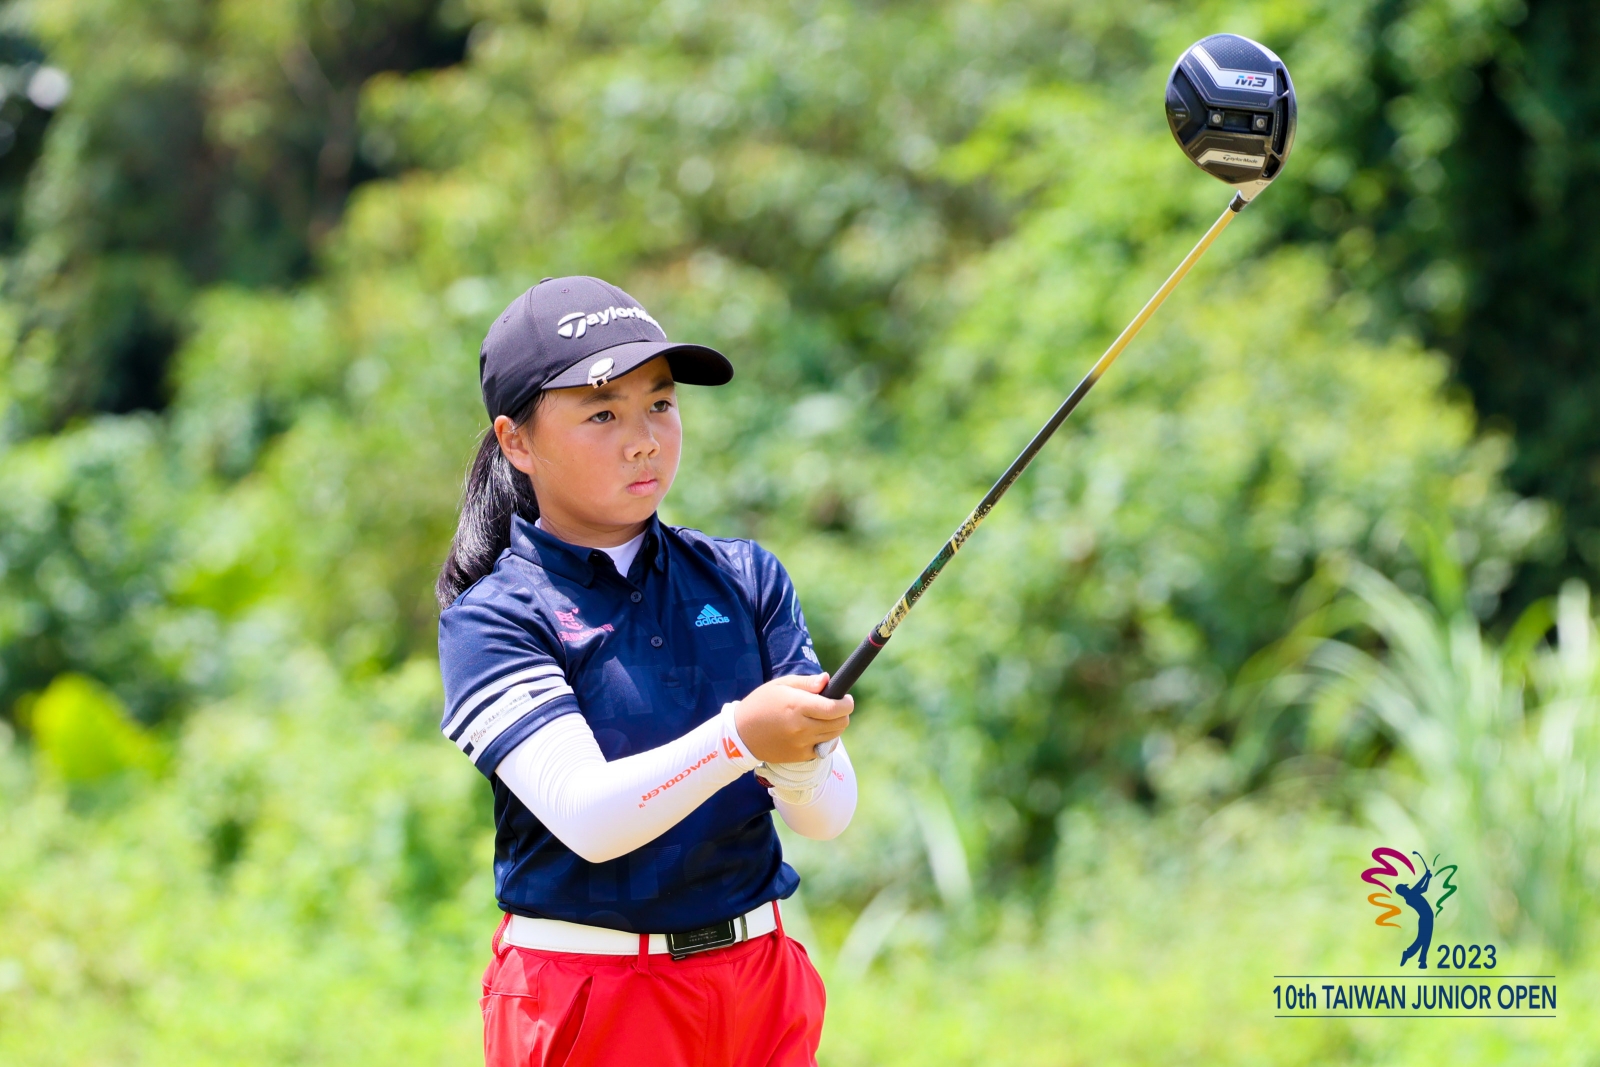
pixel 854 667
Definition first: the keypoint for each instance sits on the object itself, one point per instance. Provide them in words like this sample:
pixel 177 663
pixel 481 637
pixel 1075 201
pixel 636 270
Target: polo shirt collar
pixel 575 561
pixel 656 537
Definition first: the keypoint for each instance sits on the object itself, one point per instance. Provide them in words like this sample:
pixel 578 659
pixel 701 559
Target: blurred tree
pixel 1525 229
pixel 205 143
pixel 32 92
pixel 1458 197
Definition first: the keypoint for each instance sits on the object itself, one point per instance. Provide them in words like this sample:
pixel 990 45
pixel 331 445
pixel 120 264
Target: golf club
pixel 1231 108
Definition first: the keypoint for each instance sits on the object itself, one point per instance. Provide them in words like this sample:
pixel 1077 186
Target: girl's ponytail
pixel 494 492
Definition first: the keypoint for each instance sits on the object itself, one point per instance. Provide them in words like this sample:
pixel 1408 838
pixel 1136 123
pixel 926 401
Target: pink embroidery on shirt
pixel 571 629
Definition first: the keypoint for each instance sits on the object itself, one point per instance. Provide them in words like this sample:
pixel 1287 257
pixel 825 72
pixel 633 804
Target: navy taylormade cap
pixel 580 331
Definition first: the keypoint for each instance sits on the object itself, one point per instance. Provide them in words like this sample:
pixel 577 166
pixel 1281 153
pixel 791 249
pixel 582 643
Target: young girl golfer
pixel 641 696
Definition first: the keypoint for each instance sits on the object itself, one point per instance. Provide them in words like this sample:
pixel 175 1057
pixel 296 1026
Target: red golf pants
pixel 755 1004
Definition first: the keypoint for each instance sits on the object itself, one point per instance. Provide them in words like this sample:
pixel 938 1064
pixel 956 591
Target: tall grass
pixel 1496 743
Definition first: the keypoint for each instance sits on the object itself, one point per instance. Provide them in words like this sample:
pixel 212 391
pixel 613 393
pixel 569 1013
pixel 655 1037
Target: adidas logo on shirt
pixel 710 616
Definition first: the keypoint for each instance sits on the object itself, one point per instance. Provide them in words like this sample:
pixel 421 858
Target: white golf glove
pixel 798 784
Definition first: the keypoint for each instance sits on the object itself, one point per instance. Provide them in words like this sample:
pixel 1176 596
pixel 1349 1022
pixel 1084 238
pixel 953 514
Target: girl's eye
pixel 601 416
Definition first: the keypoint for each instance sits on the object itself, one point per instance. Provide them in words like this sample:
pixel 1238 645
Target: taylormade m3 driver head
pixel 1231 107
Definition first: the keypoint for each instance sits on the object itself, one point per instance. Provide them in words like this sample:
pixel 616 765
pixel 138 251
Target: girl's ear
pixel 514 444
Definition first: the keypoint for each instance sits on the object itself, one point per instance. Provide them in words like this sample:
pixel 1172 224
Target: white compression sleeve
pixel 828 812
pixel 602 810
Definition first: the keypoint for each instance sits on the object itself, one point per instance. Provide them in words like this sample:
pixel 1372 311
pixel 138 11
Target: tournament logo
pixel 1414 892
pixel 1454 978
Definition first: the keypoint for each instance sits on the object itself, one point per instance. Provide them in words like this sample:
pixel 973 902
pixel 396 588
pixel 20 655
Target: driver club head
pixel 1230 105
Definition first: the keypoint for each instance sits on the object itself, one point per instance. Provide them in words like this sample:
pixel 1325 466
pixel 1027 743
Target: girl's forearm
pixel 604 809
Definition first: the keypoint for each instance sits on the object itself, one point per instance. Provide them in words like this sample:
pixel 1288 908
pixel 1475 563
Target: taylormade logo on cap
pixel 541 342
pixel 577 323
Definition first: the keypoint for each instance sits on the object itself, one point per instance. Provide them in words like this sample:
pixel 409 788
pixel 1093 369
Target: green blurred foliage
pixel 1496 744
pixel 1457 195
pixel 203 144
pixel 279 230
pixel 83 734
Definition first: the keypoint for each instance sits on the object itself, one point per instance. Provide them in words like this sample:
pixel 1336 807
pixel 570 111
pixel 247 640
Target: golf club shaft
pixel 873 643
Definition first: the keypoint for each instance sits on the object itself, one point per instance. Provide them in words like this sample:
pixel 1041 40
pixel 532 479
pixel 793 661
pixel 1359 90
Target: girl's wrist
pixel 733 745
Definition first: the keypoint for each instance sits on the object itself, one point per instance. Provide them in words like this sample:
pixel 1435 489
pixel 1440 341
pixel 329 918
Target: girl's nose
pixel 644 443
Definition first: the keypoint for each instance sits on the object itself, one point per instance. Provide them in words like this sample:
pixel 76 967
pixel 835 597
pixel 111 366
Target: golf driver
pixel 1231 108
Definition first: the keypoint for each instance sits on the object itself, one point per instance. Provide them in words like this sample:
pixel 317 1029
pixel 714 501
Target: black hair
pixel 494 492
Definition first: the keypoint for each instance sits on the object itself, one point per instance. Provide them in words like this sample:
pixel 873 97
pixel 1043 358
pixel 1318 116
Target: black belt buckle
pixel 717 935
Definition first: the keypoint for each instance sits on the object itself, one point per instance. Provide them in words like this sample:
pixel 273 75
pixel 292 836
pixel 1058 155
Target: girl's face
pixel 600 459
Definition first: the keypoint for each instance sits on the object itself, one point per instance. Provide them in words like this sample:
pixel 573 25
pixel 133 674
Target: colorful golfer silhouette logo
pixel 1414 893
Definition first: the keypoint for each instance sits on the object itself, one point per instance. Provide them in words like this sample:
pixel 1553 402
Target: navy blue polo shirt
pixel 644 658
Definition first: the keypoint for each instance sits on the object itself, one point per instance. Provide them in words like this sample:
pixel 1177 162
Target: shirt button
pixel 636 597
pixel 656 642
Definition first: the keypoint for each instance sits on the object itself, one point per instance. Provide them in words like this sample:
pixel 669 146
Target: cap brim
pixel 691 364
